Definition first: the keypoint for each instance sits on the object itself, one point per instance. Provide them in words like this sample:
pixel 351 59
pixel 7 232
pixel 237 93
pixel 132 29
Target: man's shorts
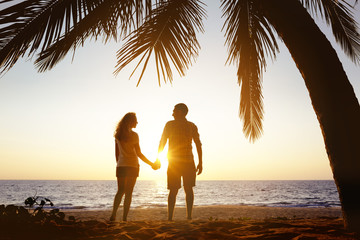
pixel 176 170
pixel 127 172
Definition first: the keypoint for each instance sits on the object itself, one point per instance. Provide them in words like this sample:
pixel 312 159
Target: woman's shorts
pixel 127 172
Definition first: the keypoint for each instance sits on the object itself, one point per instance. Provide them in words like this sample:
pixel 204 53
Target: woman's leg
pixel 118 196
pixel 129 187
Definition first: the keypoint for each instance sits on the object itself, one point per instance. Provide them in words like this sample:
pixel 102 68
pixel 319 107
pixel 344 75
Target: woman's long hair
pixel 122 130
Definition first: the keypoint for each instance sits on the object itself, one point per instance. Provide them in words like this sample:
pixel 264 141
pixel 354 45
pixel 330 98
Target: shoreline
pixel 218 212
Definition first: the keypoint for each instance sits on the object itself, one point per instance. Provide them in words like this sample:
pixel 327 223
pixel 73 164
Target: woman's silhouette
pixel 127 152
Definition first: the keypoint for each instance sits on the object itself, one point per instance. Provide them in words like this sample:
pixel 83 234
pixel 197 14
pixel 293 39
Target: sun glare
pixel 163 160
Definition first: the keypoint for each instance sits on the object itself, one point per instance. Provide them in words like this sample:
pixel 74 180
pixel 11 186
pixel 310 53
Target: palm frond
pixel 338 14
pixel 250 40
pixel 89 26
pixel 102 20
pixel 35 25
pixel 169 32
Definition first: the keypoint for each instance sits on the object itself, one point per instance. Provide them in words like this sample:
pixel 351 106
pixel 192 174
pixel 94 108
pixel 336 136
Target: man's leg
pixel 189 178
pixel 171 202
pixel 173 184
pixel 189 194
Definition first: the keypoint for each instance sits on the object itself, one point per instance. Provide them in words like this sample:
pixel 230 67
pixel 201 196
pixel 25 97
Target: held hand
pixel 199 168
pixel 156 165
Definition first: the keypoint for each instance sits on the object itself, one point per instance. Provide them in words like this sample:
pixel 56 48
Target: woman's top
pixel 127 156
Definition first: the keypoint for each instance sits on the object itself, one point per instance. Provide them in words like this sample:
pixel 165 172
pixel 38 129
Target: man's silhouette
pixel 180 133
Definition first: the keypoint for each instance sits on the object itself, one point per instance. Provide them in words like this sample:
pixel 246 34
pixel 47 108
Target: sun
pixel 162 156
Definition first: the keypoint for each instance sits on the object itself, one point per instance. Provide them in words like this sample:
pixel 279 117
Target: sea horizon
pixel 99 194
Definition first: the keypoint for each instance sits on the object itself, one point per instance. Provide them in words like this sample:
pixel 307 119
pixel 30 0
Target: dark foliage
pixel 19 214
pixel 17 222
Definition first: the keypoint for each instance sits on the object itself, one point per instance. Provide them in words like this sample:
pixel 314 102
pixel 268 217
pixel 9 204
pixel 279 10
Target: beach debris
pixel 212 219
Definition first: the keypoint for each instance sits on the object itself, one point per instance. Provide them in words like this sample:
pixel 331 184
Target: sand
pixel 220 222
pixel 209 222
pixel 219 212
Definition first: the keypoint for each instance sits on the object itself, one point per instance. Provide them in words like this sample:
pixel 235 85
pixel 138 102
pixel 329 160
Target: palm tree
pixel 332 97
pixel 168 30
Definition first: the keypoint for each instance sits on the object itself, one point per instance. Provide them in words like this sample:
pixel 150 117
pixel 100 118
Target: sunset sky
pixel 60 124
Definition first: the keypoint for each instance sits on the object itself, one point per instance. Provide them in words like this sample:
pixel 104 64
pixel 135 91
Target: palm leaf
pixel 338 14
pixel 103 20
pixel 30 25
pixel 250 40
pixel 169 32
pixel 37 24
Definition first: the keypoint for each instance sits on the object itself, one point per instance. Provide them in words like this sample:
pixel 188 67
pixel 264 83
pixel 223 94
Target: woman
pixel 127 152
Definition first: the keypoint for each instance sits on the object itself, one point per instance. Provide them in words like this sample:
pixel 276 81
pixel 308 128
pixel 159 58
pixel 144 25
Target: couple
pixel 180 134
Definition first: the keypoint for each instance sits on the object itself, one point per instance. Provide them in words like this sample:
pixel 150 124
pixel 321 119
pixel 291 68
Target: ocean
pixel 98 195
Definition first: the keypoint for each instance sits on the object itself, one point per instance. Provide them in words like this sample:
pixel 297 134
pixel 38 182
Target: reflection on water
pixel 100 194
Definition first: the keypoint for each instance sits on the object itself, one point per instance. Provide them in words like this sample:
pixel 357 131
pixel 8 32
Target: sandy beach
pixel 209 222
pixel 217 212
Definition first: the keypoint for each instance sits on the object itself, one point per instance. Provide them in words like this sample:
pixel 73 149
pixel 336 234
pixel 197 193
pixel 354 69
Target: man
pixel 181 133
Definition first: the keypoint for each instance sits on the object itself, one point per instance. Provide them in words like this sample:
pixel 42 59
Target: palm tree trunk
pixel 332 97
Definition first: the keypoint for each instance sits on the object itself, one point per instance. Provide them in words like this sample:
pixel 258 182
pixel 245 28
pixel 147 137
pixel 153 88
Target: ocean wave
pixel 146 194
pixel 72 207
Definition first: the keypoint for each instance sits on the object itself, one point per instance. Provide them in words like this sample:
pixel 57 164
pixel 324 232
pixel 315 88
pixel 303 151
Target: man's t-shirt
pixel 180 134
